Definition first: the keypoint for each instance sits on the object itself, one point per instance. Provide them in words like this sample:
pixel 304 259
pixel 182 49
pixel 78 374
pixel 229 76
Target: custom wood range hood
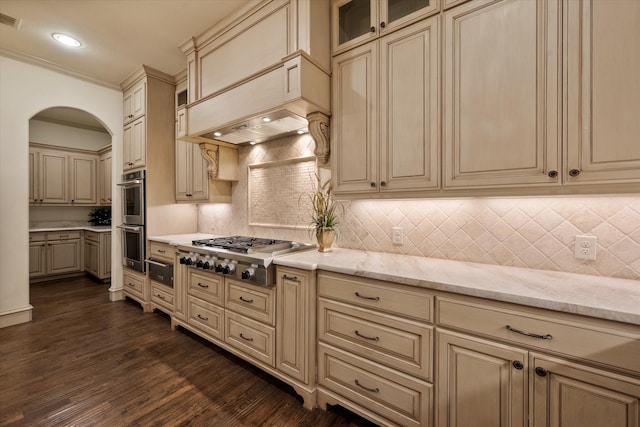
pixel 262 75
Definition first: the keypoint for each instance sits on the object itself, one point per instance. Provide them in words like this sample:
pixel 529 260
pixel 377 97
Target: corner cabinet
pixel 603 92
pixel 501 84
pixel 385 108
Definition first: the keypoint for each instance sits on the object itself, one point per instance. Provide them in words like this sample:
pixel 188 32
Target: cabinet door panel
pixel 83 180
pixel 199 174
pixel 571 395
pixel 63 257
pixel 603 98
pixel 182 170
pixel 53 178
pixel 37 260
pixel 501 93
pixel 409 107
pixel 33 176
pixel 354 138
pixel 478 384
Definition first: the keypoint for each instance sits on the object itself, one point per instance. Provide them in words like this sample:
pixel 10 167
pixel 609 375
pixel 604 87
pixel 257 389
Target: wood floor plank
pixel 85 361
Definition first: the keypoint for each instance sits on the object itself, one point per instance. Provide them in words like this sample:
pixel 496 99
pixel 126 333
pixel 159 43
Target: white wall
pixel 25 90
pixel 67 136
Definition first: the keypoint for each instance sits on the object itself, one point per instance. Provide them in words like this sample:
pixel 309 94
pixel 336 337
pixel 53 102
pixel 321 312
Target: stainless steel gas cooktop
pixel 240 257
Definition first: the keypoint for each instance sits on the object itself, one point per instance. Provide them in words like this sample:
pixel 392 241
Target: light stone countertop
pixel 600 297
pixel 67 225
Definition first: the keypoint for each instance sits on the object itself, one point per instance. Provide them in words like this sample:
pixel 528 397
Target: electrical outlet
pixel 585 247
pixel 397 236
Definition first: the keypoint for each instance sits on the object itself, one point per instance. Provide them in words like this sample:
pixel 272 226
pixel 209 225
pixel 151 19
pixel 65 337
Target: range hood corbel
pixel 222 161
pixel 319 130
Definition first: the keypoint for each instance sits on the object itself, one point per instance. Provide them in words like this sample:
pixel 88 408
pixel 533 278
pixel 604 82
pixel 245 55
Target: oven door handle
pixel 131 183
pixel 160 264
pixel 130 227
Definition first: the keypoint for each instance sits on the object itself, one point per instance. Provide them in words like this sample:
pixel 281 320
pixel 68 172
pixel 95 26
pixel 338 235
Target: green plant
pixel 324 209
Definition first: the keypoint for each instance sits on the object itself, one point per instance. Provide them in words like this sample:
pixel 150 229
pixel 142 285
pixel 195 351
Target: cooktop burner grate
pixel 244 244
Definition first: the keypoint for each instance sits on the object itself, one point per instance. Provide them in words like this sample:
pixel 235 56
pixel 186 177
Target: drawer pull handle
pixel 529 334
pixel 202 317
pixel 541 372
pixel 131 284
pixel 202 286
pixel 285 277
pixel 366 297
pixel 161 251
pixel 372 390
pixel 518 365
pixel 245 338
pixel 161 296
pixel 366 337
pixel 249 301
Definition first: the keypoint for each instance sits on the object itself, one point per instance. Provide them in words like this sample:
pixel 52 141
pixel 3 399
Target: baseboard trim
pixel 116 295
pixel 15 317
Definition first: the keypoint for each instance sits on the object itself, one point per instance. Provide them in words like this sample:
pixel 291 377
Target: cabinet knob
pixel 373 184
pixel 541 372
pixel 574 172
pixel 518 365
pixel 382 24
pixel 372 29
pixel 383 184
pixel 552 174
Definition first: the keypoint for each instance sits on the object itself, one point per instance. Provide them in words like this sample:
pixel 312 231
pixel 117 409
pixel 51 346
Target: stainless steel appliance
pixel 133 218
pixel 133 198
pixel 133 246
pixel 161 272
pixel 249 259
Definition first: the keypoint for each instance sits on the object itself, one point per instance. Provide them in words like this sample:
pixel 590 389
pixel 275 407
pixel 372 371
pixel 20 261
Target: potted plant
pixel 324 216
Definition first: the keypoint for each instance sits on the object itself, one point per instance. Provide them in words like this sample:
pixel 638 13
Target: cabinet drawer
pixel 37 237
pixel 63 235
pixel 393 395
pixel 252 338
pixel 133 284
pixel 207 317
pixel 395 342
pixel 92 235
pixel 612 345
pixel 162 251
pixel 162 295
pixel 206 286
pixel 384 296
pixel 256 302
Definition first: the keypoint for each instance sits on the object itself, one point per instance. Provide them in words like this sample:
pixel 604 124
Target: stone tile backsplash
pixel 532 232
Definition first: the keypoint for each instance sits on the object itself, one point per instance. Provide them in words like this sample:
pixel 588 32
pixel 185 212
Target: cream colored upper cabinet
pixel 52 186
pixel 134 145
pixel 83 169
pixel 135 102
pixel 501 94
pixel 603 91
pixel 104 177
pixel 355 22
pixel 385 109
pixel 192 179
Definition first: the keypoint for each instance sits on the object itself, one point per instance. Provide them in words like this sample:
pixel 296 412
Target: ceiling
pixel 117 35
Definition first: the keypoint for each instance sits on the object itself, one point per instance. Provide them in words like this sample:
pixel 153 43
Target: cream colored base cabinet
pixel 64 256
pixel 480 383
pixel 375 349
pixel 497 369
pixel 37 259
pixel 97 254
pixel 136 287
pixel 296 328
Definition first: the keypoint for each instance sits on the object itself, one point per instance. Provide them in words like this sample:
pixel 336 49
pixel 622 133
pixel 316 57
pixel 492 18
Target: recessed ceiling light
pixel 66 40
pixel 253 143
pixel 266 119
pixel 301 131
pixel 217 134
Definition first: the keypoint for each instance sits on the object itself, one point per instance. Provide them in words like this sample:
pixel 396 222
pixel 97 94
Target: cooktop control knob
pixel 206 264
pixel 248 274
pixel 200 264
pixel 219 268
pixel 183 260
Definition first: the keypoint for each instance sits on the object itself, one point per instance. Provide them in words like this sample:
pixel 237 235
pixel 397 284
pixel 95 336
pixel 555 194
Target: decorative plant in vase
pixel 324 216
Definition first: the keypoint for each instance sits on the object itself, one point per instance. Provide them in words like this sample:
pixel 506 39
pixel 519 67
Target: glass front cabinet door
pixel 357 21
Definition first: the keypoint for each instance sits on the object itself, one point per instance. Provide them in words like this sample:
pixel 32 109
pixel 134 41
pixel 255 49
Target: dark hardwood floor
pixel 85 361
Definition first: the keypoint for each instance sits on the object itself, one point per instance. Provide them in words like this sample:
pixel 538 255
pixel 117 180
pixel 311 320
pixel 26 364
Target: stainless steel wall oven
pixel 133 220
